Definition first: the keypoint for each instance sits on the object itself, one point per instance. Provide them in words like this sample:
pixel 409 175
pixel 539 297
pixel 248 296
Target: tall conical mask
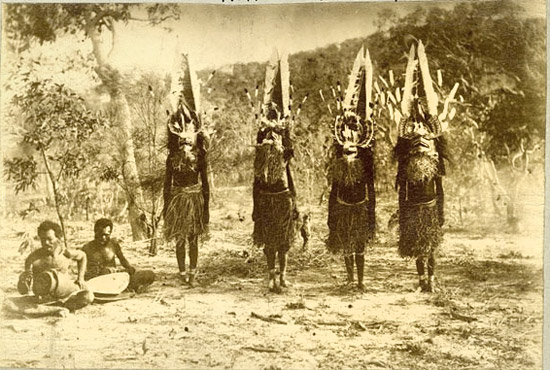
pixel 276 87
pixel 420 100
pixel 185 89
pixel 359 91
pixel 356 105
pixel 185 99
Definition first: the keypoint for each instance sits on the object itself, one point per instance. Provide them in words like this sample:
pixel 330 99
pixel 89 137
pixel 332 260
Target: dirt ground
pixel 487 312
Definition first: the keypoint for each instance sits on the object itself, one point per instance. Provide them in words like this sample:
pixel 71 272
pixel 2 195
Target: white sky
pixel 216 35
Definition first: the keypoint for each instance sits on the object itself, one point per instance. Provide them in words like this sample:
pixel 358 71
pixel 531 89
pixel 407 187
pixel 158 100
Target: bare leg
pixel 270 255
pixel 431 279
pixel 193 257
pixel 79 300
pixel 431 264
pixel 360 263
pixel 421 270
pixel 348 260
pixel 140 280
pixel 180 255
pixel 282 265
pixel 24 283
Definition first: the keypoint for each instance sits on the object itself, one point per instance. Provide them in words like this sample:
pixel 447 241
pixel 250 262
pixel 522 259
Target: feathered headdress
pixel 275 110
pixel 353 125
pixel 276 106
pixel 420 101
pixel 185 100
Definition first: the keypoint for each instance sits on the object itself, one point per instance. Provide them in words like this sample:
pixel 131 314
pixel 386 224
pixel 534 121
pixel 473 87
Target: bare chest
pixel 56 262
pixel 102 255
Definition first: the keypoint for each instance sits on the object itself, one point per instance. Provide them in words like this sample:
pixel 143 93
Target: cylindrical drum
pixel 54 283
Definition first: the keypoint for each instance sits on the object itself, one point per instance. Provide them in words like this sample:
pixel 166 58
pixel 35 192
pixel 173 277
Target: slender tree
pixel 56 125
pixel 26 23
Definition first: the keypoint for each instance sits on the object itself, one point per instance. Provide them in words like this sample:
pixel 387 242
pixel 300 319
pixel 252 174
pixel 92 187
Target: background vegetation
pixel 495 54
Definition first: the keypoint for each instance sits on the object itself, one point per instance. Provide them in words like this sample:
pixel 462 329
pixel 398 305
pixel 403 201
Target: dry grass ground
pixel 486 314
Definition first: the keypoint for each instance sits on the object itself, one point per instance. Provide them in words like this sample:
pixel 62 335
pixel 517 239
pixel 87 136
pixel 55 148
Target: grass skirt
pixel 184 216
pixel 348 227
pixel 420 233
pixel 274 227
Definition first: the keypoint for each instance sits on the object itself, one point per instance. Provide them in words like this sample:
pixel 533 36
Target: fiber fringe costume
pixel 420 150
pixel 186 188
pixel 274 193
pixel 351 209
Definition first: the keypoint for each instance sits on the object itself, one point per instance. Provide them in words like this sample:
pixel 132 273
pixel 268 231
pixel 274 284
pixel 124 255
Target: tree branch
pixel 138 19
pixel 55 193
pixel 156 20
pixel 114 40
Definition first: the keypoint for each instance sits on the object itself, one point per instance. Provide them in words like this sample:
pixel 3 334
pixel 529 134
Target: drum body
pixel 55 284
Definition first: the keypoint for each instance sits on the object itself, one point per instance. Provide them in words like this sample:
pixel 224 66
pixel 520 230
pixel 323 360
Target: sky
pixel 217 35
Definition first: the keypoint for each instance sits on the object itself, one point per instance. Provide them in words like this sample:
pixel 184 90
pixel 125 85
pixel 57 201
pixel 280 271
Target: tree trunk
pixel 153 249
pixel 51 176
pixel 130 175
pixel 87 208
pixel 2 180
pixel 112 79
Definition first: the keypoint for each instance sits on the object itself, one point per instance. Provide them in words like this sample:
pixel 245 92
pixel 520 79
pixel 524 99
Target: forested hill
pixel 494 53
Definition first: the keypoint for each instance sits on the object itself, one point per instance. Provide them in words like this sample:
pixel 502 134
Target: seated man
pixel 47 271
pixel 101 253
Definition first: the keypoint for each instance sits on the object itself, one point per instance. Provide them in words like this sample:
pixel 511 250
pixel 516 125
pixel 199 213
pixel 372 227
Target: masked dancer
pixel 186 189
pixel 274 193
pixel 420 151
pixel 351 210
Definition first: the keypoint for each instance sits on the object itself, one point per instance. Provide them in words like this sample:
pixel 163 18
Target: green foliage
pixel 57 119
pixel 496 55
pixel 23 172
pixel 46 22
pixel 57 125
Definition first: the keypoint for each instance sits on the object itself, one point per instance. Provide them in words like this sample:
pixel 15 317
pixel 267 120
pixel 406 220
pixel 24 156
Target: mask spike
pixel 210 77
pixel 409 82
pixel 431 96
pixel 384 81
pixel 449 99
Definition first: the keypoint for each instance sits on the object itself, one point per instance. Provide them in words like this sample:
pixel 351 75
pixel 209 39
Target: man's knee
pixel 86 296
pixel 143 277
pixel 24 284
pixel 79 300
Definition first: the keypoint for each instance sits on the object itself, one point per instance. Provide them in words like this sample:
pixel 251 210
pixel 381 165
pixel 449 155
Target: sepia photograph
pixel 240 184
